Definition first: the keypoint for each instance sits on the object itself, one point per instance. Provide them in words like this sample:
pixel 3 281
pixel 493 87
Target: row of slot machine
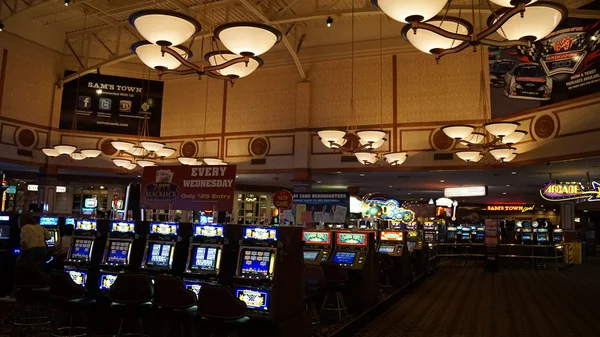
pixel 465 234
pixel 537 232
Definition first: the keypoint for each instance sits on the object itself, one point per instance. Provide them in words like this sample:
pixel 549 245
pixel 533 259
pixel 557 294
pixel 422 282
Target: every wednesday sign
pixel 189 187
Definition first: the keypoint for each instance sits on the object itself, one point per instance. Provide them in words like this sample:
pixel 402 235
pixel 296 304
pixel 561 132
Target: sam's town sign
pixel 559 191
pixel 510 208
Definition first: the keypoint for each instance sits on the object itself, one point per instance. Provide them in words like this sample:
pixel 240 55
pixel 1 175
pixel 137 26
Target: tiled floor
pixel 457 302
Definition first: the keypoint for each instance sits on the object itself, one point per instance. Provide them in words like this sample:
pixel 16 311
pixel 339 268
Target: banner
pixel 562 66
pixel 112 104
pixel 188 187
pixel 322 207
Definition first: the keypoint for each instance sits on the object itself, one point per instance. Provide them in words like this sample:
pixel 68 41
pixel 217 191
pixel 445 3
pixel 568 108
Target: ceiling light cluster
pixel 166 30
pixel 430 29
pixel 191 161
pixel 71 152
pixel 144 154
pixel 364 151
pixel 503 136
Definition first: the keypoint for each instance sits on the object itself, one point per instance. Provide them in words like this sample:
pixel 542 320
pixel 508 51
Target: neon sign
pixel 387 210
pixel 510 208
pixel 559 191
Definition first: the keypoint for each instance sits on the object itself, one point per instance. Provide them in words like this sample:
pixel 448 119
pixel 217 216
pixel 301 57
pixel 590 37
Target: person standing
pixel 33 240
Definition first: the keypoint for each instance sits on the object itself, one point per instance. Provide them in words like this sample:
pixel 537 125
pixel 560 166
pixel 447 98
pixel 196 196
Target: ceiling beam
pixel 93 68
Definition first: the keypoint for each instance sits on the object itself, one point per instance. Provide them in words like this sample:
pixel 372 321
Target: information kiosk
pixel 558 236
pixel 117 253
pixel 317 246
pixel 51 225
pixel 160 247
pixel 79 256
pixel 391 243
pixel 204 256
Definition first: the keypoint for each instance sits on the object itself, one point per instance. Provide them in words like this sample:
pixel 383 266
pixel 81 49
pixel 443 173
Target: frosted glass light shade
pixel 131 166
pixel 91 153
pixel 510 158
pixel 50 152
pixel 395 158
pixel 426 41
pixel 475 138
pixel 371 136
pixel 458 131
pixel 122 146
pixel 121 162
pixel 144 163
pixel 402 10
pixel 330 137
pixel 247 38
pixel 187 160
pixel 153 57
pixel 373 146
pixel 501 129
pixel 165 152
pixel 502 153
pixel 469 156
pixel 514 137
pixel 239 69
pixel 214 161
pixel 152 146
pixel 366 158
pixel 506 3
pixel 137 151
pixel 164 27
pixel 77 156
pixel 65 149
pixel 538 21
pixel 478 158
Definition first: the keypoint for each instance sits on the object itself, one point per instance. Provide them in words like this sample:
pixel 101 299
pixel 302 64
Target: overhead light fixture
pixel 395 158
pixel 469 156
pixel 510 3
pixel 237 70
pixel 164 27
pixel 122 146
pixel 91 153
pixel 144 163
pixel 121 162
pixel 188 160
pixel 329 21
pixel 331 137
pixel 50 152
pixel 410 10
pixel 509 159
pixel 514 137
pixel 501 129
pixel 430 42
pixel 67 2
pixel 152 55
pixel 65 149
pixel 214 161
pixel 374 145
pixel 247 38
pixel 502 153
pixel 475 138
pixel 370 137
pixel 137 151
pixel 537 22
pixel 165 152
pixel 152 146
pixel 458 131
pixel 366 158
pixel 77 156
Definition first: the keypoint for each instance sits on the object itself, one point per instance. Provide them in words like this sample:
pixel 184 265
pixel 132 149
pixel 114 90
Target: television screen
pixel 344 257
pixel 319 238
pixel 391 236
pixel 48 221
pixel 86 225
pixel 78 277
pixel 118 252
pixel 386 249
pixel 106 281
pixel 352 239
pixel 82 249
pixel 260 233
pixel 204 258
pixel 4 232
pixel 211 231
pixel 160 254
pixel 257 262
pixel 122 227
pixel 256 299
pixel 311 255
pixel 163 228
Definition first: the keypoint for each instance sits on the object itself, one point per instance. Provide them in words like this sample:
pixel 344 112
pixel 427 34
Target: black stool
pixel 32 290
pixel 225 313
pixel 335 283
pixel 175 303
pixel 70 299
pixel 130 296
pixel 314 279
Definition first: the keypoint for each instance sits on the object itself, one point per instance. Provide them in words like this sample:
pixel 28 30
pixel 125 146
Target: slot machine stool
pixel 226 315
pixel 70 298
pixel 131 296
pixel 32 290
pixel 336 280
pixel 175 302
pixel 314 280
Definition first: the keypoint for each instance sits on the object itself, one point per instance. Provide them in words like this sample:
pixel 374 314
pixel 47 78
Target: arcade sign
pixel 510 208
pixel 283 199
pixel 461 192
pixel 561 191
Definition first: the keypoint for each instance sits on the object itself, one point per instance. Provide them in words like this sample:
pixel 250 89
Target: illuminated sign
pixel 472 191
pixel 558 191
pixel 34 188
pixel 90 203
pixel 61 189
pixel 388 210
pixel 510 208
pixel 283 199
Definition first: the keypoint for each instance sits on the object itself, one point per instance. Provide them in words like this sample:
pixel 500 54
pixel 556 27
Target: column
pixel 46 193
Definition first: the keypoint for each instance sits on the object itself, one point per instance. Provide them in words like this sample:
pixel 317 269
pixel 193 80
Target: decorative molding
pixel 228 147
pixel 188 149
pixel 259 146
pixel 107 148
pixel 440 141
pixel 271 147
pixel 25 138
pixel 544 127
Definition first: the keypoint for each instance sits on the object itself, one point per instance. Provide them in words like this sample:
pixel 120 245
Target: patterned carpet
pixel 457 302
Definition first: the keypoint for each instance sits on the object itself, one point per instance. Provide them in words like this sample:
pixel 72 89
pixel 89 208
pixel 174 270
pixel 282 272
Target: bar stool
pixel 314 279
pixel 175 303
pixel 32 290
pixel 130 296
pixel 335 283
pixel 225 313
pixel 70 298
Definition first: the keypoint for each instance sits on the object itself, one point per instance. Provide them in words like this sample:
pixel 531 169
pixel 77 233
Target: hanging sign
pixel 560 191
pixel 510 208
pixel 283 199
pixel 461 192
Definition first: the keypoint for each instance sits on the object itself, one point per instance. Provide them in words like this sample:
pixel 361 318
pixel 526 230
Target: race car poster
pixel 111 104
pixel 562 66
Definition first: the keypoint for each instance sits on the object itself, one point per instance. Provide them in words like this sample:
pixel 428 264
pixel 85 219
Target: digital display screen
pixel 311 255
pixel 351 239
pixel 428 237
pixel 106 281
pixel 48 221
pixel 541 238
pixel 260 233
pixel 160 254
pixel 209 231
pixel 391 236
pixel 526 236
pixel 195 287
pixel 317 238
pixel 4 217
pixel 118 252
pixel 204 258
pixel 163 228
pixel 257 262
pixel 254 298
pixel 78 277
pixel 53 237
pixel 386 249
pixel 70 222
pixel 82 249
pixel 480 234
pixel 4 232
pixel 412 244
pixel 122 227
pixel 86 225
pixel 344 257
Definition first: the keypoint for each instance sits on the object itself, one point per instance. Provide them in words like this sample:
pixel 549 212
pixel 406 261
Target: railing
pixel 536 254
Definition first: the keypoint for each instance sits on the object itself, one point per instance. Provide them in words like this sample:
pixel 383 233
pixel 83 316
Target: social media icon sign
pixel 84 102
pixel 125 106
pixel 105 104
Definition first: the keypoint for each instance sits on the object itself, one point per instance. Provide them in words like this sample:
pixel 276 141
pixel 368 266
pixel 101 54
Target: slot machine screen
pixel 311 255
pixel 82 249
pixel 391 236
pixel 260 233
pixel 412 244
pixel 69 222
pixel 106 281
pixel 118 252
pixel 205 258
pixel 48 221
pixel 86 225
pixel 53 237
pixel 386 249
pixel 344 257
pixel 317 238
pixel 4 232
pixel 526 236
pixel 541 238
pixel 351 239
pixel 428 237
pixel 160 254
pixel 163 228
pixel 209 231
pixel 78 277
pixel 122 227
pixel 195 287
pixel 255 299
pixel 257 262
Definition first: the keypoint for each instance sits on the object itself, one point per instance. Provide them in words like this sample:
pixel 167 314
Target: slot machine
pixel 160 247
pixel 51 225
pixel 526 233
pixel 473 230
pixel 464 234
pixel 79 256
pixel 558 236
pixel 317 246
pixel 451 233
pixel 204 256
pixel 542 236
pixel 391 243
pixel 9 249
pixel 480 234
pixel 414 240
pixel 268 276
pixel 429 231
pixel 117 252
pixel 518 231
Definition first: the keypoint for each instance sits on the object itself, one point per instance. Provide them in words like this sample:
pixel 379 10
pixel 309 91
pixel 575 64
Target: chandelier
pixel 166 30
pixel 519 22
pixel 499 140
pixel 70 151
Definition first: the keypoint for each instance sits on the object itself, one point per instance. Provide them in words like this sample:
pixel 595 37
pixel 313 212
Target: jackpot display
pixel 260 233
pixel 352 239
pixel 86 225
pixel 323 238
pixel 164 228
pixel 210 231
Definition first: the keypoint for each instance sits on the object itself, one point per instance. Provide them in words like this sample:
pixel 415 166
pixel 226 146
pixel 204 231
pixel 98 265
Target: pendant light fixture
pixel 152 56
pixel 395 158
pixel 501 129
pixel 502 153
pixel 538 20
pixel 469 156
pixel 247 38
pixel 164 27
pixel 122 145
pixel 430 42
pixel 237 70
pixel 410 10
pixel 514 137
pixel 458 132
